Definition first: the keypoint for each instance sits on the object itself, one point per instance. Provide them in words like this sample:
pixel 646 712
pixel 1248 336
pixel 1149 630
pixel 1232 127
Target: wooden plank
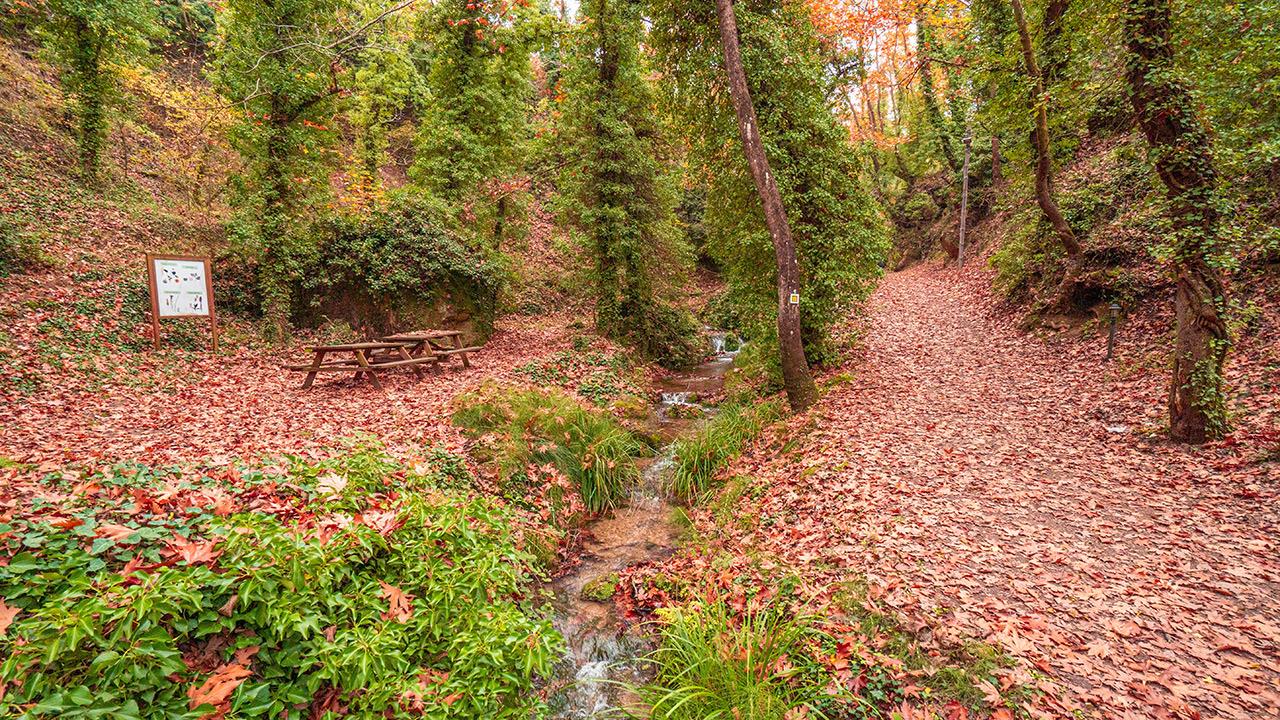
pixel 358 347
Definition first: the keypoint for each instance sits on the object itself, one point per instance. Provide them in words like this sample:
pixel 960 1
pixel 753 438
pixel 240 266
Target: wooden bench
pixel 366 360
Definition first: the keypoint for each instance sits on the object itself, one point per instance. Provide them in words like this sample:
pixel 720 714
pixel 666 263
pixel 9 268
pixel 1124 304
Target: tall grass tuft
pixel 712 664
pixel 525 426
pixel 704 452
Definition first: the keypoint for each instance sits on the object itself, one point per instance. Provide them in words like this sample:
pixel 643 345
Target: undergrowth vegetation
pixel 360 585
pixel 701 454
pixel 551 453
pixel 765 664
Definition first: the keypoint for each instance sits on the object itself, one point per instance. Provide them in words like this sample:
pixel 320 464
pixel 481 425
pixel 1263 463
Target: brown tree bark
pixel 1179 145
pixel 1044 164
pixel 796 378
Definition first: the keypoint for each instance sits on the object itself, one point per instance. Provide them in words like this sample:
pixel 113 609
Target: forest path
pixel 991 485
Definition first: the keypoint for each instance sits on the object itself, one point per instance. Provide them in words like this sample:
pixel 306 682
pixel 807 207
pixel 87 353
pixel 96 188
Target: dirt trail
pixel 998 488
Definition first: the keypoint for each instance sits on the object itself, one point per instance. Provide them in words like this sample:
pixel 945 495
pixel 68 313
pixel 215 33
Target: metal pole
pixel 964 196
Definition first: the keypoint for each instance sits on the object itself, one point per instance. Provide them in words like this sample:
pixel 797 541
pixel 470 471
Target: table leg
pixel 457 345
pixel 363 362
pixel 311 374
pixel 405 355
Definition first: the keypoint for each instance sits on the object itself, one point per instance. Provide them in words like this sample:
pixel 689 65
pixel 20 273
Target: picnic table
pixel 366 358
pixel 440 344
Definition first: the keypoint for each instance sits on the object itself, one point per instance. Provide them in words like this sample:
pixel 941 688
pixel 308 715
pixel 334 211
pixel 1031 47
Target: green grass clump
pixel 704 452
pixel 713 663
pixel 522 428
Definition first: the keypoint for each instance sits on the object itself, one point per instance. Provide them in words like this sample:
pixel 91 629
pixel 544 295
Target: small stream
pixel 603 656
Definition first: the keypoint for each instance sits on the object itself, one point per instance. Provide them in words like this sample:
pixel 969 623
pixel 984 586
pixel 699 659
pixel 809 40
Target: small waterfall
pixel 678 398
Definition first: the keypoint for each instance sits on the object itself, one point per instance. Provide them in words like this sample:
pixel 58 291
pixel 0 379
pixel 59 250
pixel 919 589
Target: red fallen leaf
pixel 194 553
pixel 384 521
pixel 7 614
pixel 955 711
pixel 401 605
pixel 119 533
pixel 217 688
pixel 451 699
pixel 1002 714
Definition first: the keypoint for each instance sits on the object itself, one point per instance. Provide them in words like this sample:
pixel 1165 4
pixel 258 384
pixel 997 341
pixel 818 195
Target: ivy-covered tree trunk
pixel 796 378
pixel 1179 146
pixel 90 102
pixel 1044 165
pixel 273 271
pixel 932 109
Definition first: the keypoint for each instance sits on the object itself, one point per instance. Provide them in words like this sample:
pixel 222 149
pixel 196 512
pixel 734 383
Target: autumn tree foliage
pixel 89 40
pixel 282 63
pixel 474 128
pixel 839 231
pixel 619 188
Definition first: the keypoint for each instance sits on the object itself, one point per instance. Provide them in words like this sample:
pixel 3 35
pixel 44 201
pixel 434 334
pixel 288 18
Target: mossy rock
pixel 630 406
pixel 602 588
pixel 685 412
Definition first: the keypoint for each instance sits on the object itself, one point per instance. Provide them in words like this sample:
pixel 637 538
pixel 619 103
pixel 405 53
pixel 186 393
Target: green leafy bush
pixel 393 261
pixel 374 590
pixel 702 453
pixel 524 431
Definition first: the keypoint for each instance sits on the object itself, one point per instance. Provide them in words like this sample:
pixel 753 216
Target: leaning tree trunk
pixel 1044 166
pixel 795 368
pixel 1179 145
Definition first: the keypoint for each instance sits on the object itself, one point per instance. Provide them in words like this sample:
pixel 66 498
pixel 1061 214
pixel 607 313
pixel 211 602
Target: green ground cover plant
pixel 359 584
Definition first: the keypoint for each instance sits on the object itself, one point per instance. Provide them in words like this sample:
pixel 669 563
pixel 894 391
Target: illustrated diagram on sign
pixel 181 287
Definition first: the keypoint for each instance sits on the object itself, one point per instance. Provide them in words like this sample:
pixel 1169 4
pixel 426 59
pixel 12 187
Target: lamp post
pixel 1114 310
pixel 964 196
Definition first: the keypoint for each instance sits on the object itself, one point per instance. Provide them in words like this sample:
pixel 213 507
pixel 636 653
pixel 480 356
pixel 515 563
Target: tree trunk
pixel 1179 145
pixel 1044 165
pixel 932 111
pixel 795 368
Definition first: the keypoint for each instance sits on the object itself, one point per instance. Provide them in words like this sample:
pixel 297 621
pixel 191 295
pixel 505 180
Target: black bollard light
pixel 1114 307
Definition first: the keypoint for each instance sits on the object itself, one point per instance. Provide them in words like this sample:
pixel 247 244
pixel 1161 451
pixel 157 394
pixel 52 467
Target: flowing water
pixel 604 656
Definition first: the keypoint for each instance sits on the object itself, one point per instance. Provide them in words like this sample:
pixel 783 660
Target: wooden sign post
pixel 181 286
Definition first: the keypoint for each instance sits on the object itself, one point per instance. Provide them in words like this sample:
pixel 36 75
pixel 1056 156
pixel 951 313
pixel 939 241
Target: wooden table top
pixel 422 335
pixel 384 345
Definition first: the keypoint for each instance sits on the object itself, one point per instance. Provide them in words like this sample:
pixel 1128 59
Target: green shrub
pixel 389 264
pixel 528 428
pixel 375 590
pixel 714 664
pixel 699 455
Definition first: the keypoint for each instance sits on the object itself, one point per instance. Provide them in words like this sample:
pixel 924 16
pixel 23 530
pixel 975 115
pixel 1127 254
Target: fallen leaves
pixel 7 615
pixel 966 474
pixel 217 688
pixel 194 552
pixel 400 605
